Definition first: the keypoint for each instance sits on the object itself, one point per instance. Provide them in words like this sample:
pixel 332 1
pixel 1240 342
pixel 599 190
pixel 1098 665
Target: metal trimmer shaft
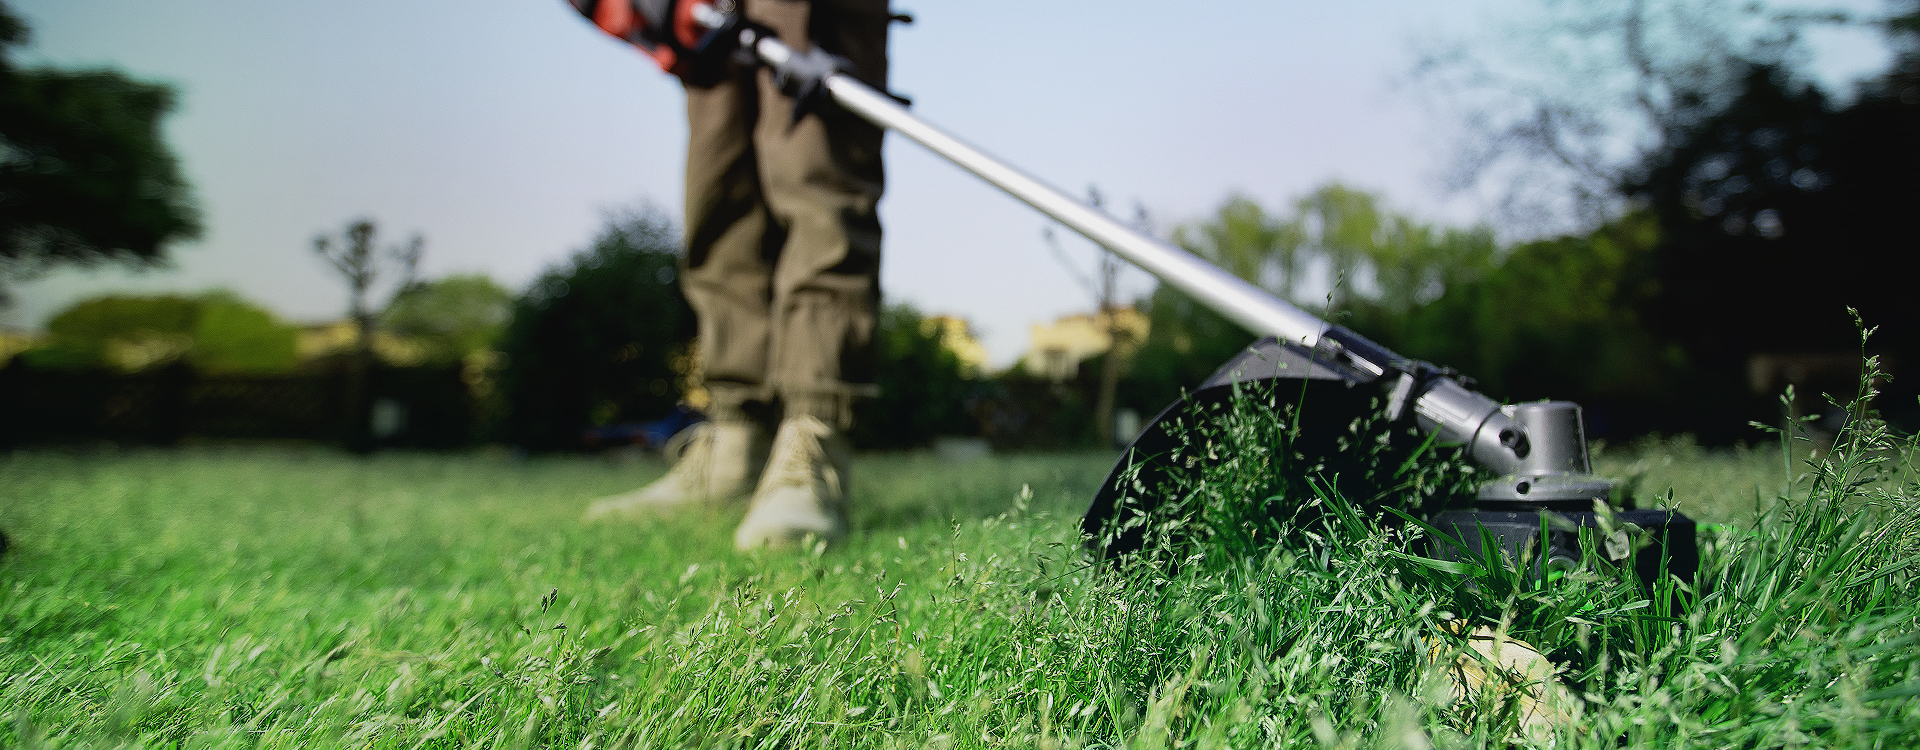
pixel 1440 403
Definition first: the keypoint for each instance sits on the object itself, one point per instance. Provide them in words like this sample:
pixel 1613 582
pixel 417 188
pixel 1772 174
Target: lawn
pixel 296 597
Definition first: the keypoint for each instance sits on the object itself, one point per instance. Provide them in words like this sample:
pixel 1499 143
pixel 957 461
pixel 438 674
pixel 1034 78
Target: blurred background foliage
pixel 1684 217
pixel 925 388
pixel 85 175
pixel 601 339
pixel 453 318
pixel 214 332
pixel 1728 241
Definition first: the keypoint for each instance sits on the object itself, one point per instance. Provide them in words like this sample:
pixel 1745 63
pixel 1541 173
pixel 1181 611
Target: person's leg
pixel 727 278
pixel 730 238
pixel 822 179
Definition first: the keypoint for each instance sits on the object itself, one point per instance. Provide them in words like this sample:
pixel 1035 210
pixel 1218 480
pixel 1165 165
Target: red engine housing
pixel 665 30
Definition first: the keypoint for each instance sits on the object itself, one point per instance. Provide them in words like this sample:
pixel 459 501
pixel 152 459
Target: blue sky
pixel 503 130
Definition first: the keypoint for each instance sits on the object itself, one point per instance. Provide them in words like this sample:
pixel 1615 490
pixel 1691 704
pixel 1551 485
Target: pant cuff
pixel 731 402
pixel 834 407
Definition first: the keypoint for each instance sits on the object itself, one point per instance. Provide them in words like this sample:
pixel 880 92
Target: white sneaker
pixel 721 462
pixel 803 491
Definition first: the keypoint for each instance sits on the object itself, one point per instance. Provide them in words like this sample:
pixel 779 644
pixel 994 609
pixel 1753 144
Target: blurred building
pixel 957 335
pixel 341 337
pixel 1058 348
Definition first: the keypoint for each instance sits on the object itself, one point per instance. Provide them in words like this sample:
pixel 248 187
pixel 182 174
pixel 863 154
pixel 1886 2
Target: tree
pixel 1555 318
pixel 233 335
pixel 1778 214
pixel 1339 251
pixel 356 256
pixel 1740 211
pixel 1779 191
pixel 596 340
pixel 1186 341
pixel 454 317
pixel 1564 109
pixel 1338 246
pixel 925 389
pixel 215 331
pixel 85 176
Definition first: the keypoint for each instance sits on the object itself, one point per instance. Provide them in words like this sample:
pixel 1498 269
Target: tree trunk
pixel 1103 406
pixel 359 393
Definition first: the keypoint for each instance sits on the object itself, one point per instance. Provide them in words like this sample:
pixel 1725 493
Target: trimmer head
pixel 1652 540
pixel 1164 453
pixel 1552 485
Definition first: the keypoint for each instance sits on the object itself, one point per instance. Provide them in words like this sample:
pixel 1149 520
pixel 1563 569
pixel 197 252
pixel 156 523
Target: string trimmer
pixel 1545 482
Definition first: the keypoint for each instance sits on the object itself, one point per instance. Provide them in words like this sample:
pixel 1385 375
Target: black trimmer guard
pixel 1332 396
pixel 1651 539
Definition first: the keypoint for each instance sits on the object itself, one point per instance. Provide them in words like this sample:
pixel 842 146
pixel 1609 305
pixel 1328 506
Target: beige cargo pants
pixel 783 238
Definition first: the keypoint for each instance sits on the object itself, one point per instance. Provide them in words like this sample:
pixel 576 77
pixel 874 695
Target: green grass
pixel 287 597
pixel 1719 486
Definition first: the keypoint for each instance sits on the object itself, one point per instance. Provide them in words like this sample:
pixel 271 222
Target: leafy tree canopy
pixel 85 176
pixel 1336 246
pixel 1779 213
pixel 595 340
pixel 1339 251
pixel 216 331
pixel 1563 102
pixel 455 316
pixel 1561 318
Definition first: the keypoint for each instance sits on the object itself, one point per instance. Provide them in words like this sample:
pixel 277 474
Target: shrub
pixel 594 340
